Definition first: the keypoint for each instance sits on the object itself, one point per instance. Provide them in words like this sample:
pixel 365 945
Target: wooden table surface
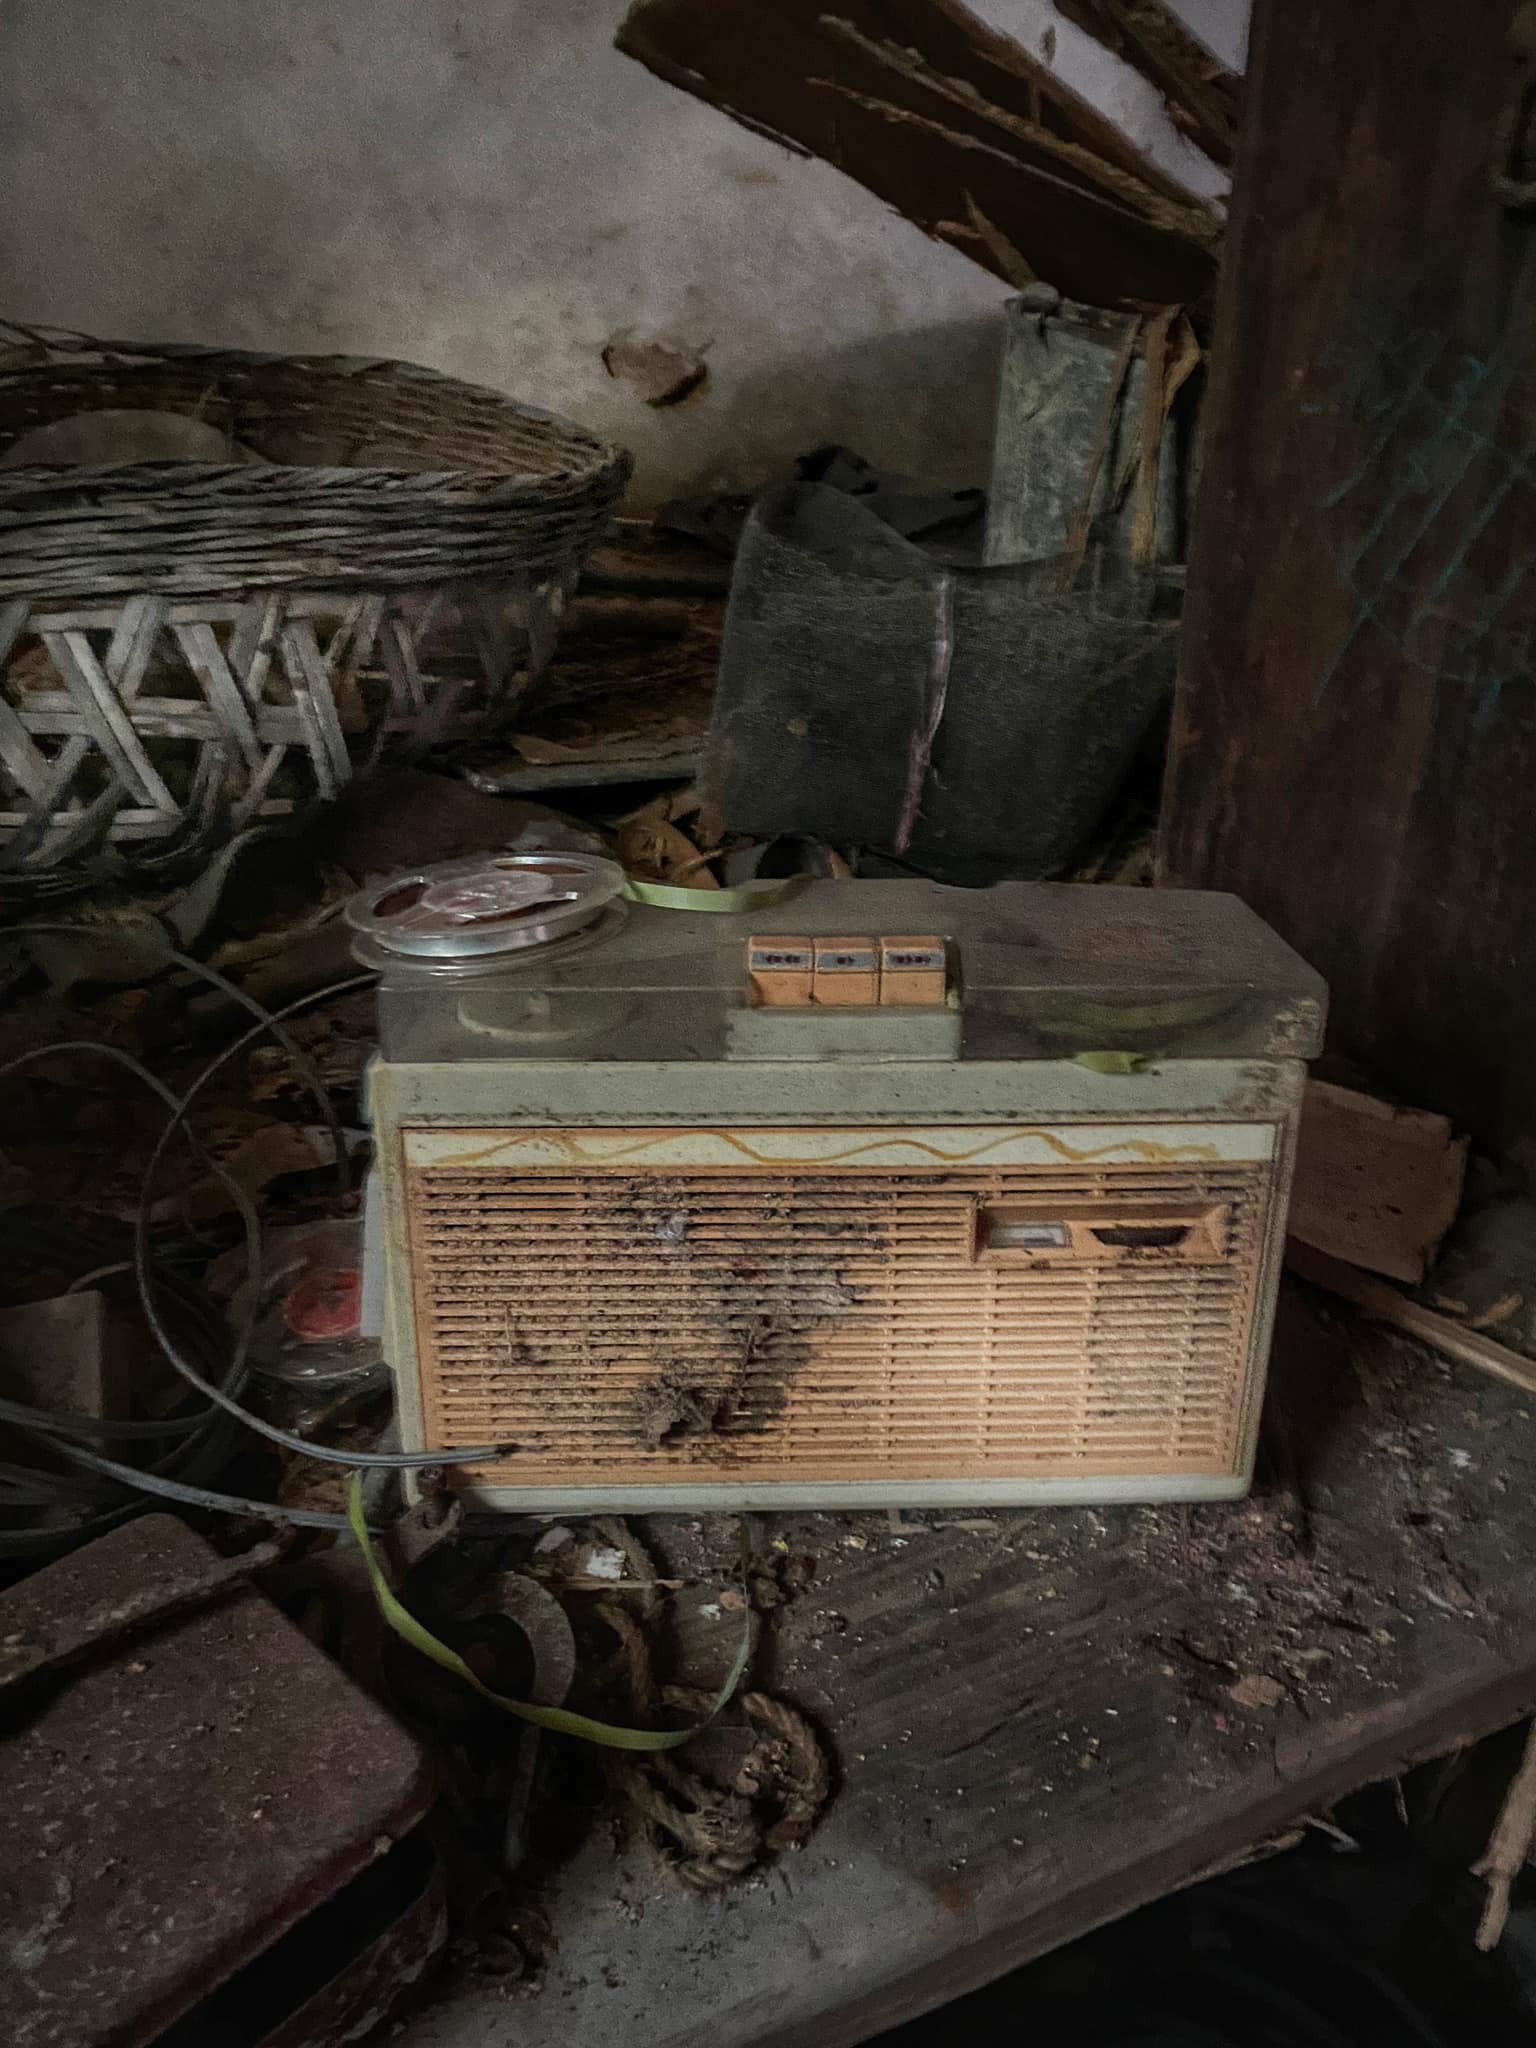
pixel 1044 1718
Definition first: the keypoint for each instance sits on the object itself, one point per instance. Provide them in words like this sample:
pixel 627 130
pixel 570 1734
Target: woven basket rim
pixel 532 506
pixel 154 479
pixel 604 456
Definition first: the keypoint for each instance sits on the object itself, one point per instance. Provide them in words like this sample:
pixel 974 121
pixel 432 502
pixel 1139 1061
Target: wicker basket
pixel 185 647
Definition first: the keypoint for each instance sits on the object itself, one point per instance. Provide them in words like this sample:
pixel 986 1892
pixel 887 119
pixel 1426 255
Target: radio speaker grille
pixel 810 1324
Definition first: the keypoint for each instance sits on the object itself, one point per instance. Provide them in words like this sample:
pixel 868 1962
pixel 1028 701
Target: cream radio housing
pixel 1001 1224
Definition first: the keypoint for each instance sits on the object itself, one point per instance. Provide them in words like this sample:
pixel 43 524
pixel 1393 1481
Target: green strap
pixel 555 1719
pixel 746 896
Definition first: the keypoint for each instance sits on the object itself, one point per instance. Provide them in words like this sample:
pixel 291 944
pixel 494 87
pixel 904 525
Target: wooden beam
pixel 956 126
pixel 1354 742
pixel 1204 98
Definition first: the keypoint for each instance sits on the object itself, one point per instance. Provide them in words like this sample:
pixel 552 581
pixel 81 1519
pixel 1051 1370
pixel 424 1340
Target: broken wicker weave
pixel 185 646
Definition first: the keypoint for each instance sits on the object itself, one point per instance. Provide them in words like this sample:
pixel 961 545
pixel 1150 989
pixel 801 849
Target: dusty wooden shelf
pixel 1034 1718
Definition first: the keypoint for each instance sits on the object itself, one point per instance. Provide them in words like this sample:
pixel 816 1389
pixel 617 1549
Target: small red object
pixel 327 1303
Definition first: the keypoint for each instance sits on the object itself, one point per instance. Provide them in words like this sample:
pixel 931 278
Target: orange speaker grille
pixel 815 1325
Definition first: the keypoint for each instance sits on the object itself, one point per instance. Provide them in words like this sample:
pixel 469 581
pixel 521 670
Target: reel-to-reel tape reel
pixel 470 916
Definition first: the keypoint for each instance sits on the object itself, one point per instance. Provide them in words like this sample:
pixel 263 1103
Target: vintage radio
pixel 890 1194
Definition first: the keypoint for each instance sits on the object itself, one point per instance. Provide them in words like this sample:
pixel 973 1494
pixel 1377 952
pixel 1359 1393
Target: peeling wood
pixel 1011 263
pixel 953 125
pixel 1070 132
pixel 1204 98
pixel 1069 156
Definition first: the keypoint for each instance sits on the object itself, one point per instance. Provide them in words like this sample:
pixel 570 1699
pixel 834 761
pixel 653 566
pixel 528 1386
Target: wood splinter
pixel 1509 1846
pixel 1384 1304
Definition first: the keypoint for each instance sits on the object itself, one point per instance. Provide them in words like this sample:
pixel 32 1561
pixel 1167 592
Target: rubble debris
pixel 627 696
pixel 289 965
pixel 621 757
pixel 1490 1256
pixel 680 1410
pixel 616 646
pixel 1509 1847
pixel 1203 97
pixel 339 1040
pixel 1256 1691
pixel 642 559
pixel 405 817
pixel 662 369
pixel 1500 1311
pixel 652 847
pixel 1385 1304
pixel 1006 260
pixel 1376 1185
pixel 96 949
pixel 602 1561
pixel 945 118
pixel 676 838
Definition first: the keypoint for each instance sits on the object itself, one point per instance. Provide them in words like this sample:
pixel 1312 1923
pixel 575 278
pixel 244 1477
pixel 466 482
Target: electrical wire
pixel 244 1206
pixel 26 1485
pixel 55 1430
pixel 53 1423
pixel 394 1461
pixel 205 1436
pixel 87 1500
pixel 271 1022
pixel 51 1243
pixel 201 1496
pixel 199 1441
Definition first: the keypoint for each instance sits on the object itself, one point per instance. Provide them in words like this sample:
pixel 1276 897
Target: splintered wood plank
pixel 955 125
pixel 1386 1304
pixel 1044 1719
pixel 1354 743
pixel 1376 1185
pixel 1204 98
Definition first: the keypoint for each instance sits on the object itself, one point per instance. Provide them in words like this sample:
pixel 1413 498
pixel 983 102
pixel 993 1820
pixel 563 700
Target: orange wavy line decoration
pixel 575 1145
